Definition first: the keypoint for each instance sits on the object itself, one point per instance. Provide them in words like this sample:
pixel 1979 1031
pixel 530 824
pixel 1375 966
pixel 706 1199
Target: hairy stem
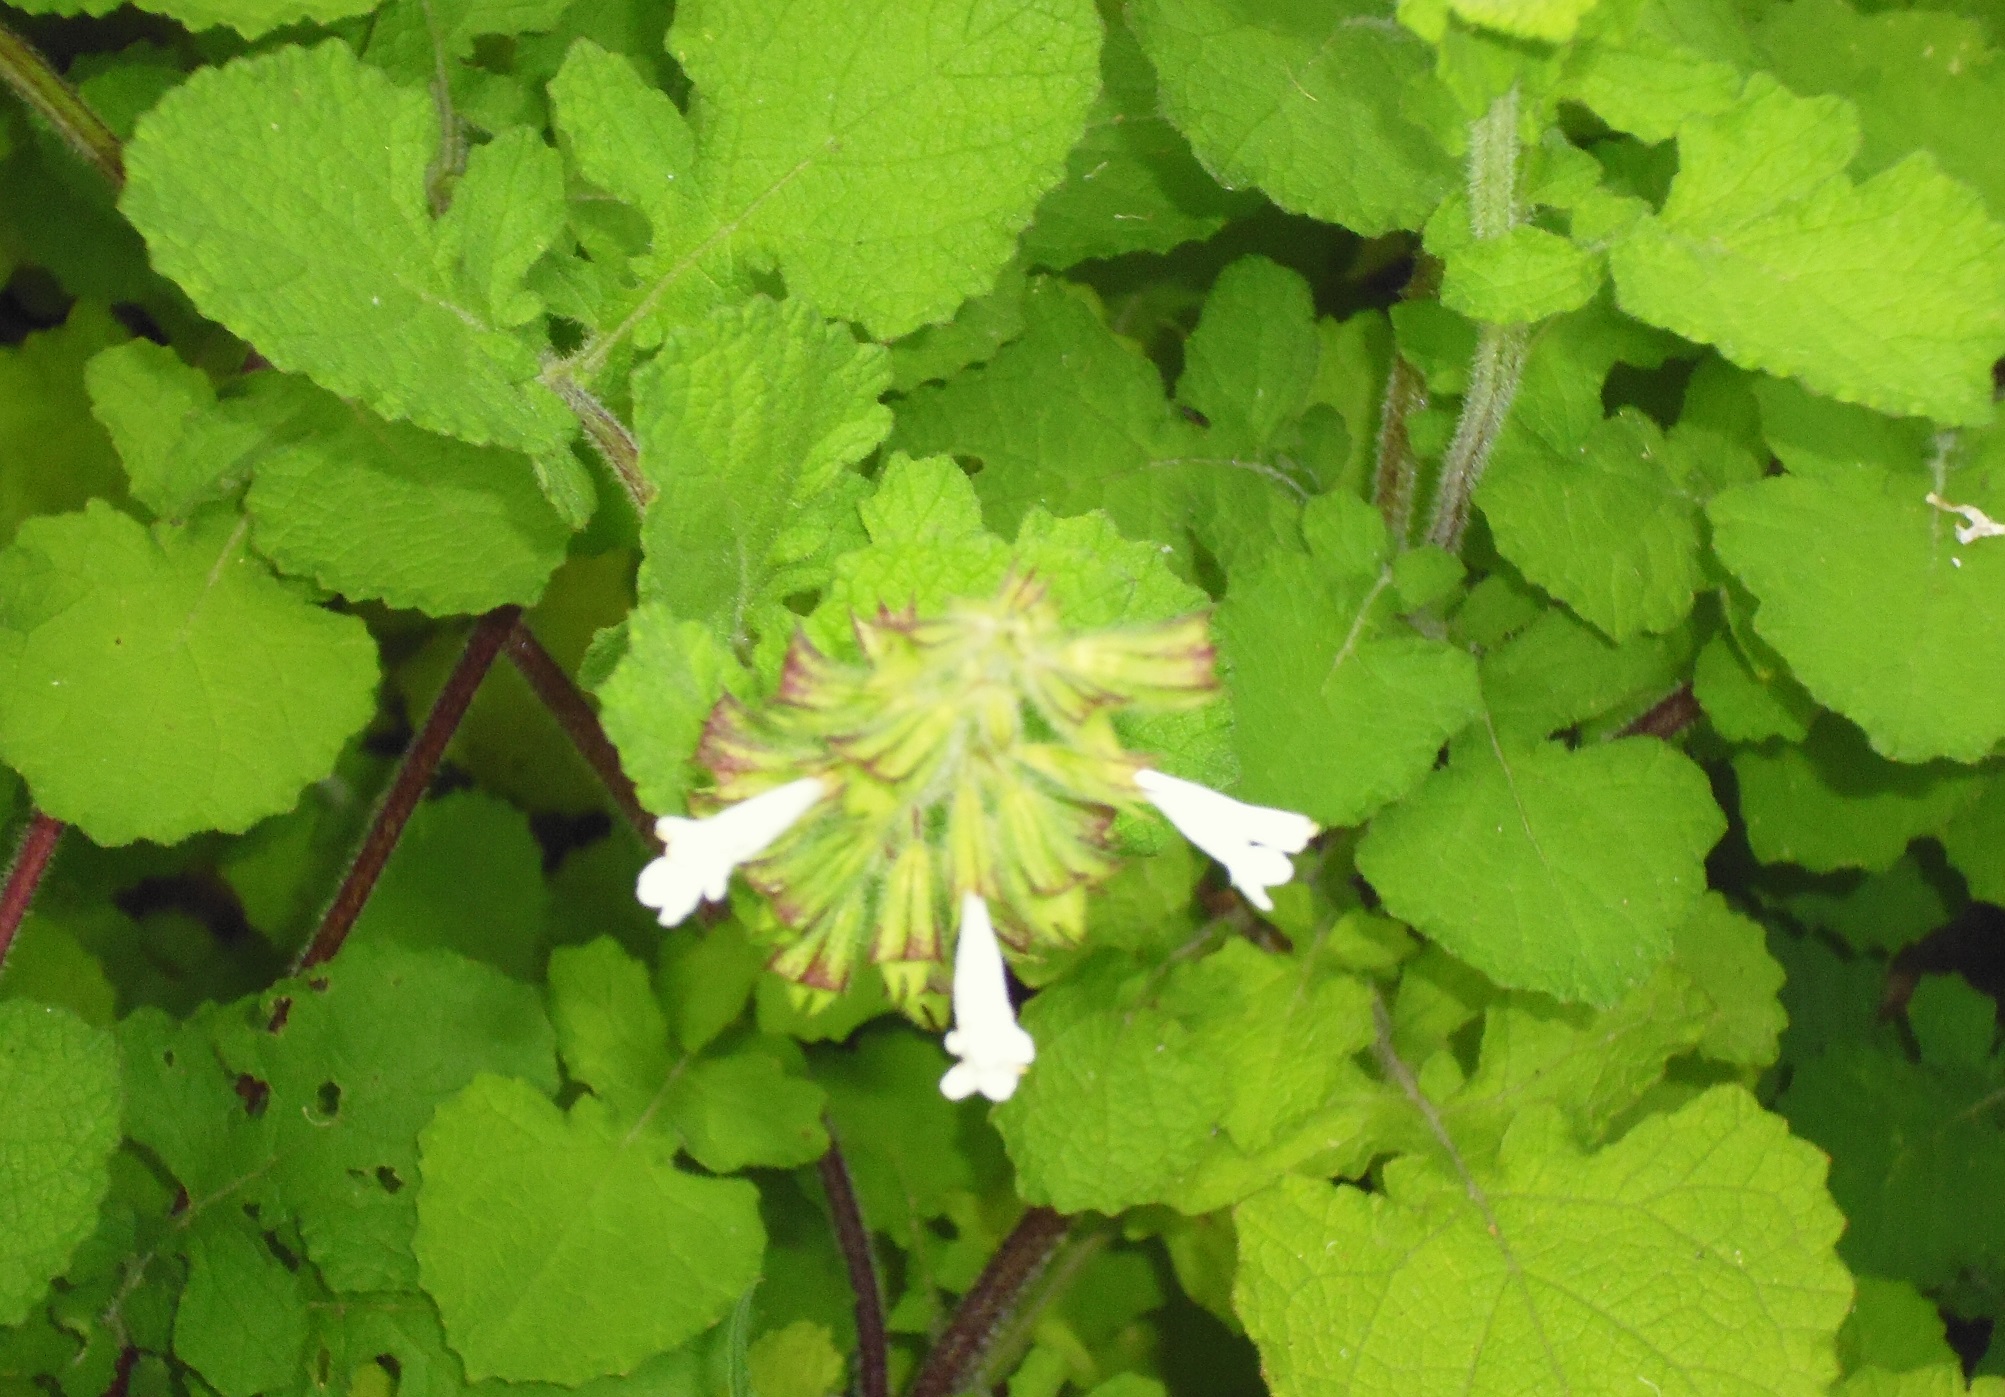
pixel 1499 361
pixel 408 787
pixel 609 436
pixel 573 711
pixel 31 861
pixel 1013 1337
pixel 873 1349
pixel 39 85
pixel 1493 382
pixel 1398 468
pixel 986 1310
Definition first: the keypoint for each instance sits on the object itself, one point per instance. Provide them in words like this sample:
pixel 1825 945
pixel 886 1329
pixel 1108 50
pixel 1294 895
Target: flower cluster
pixel 970 766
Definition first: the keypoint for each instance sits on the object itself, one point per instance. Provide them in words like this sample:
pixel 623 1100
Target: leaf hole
pixel 255 1095
pixel 327 1100
pixel 392 1183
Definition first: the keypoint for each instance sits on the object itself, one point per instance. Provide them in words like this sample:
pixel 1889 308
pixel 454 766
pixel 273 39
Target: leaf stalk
pixel 573 711
pixel 36 82
pixel 38 846
pixel 407 788
pixel 852 1235
pixel 987 1309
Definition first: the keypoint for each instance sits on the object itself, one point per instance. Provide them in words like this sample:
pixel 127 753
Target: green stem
pixel 609 436
pixel 1499 361
pixel 39 85
pixel 1494 372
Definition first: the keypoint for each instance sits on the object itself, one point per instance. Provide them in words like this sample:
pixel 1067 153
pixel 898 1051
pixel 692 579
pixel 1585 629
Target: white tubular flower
pixel 702 853
pixel 993 1050
pixel 1252 841
pixel 1979 525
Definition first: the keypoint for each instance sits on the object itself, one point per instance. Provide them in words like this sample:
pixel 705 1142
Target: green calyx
pixel 971 752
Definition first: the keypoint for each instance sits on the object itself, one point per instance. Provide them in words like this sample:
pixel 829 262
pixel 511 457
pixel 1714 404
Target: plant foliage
pixel 1554 445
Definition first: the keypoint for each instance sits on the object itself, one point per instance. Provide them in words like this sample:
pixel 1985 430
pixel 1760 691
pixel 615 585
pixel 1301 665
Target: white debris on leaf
pixel 1252 841
pixel 1978 524
pixel 701 854
pixel 994 1051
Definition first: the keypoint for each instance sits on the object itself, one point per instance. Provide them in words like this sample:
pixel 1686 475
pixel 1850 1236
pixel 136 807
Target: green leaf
pixel 1250 364
pixel 622 134
pixel 1917 1153
pixel 1559 672
pixel 1131 184
pixel 226 180
pixel 242 1320
pixel 355 1070
pixel 1831 802
pixel 1523 275
pixel 1889 293
pixel 59 1078
pixel 53 454
pixel 525 1208
pixel 748 1108
pixel 1119 1105
pixel 1892 1326
pixel 1745 705
pixel 1070 417
pixel 1313 645
pixel 466 876
pixel 748 421
pixel 1324 107
pixel 1648 66
pixel 1610 528
pixel 1879 612
pixel 655 702
pixel 507 209
pixel 156 685
pixel 905 195
pixel 1549 1271
pixel 1880 911
pixel 1573 868
pixel 1975 843
pixel 47 965
pixel 1727 956
pixel 731 1111
pixel 1921 80
pixel 1551 20
pixel 1067 417
pixel 1945 1380
pixel 610 1027
pixel 179 452
pixel 903 1140
pixel 384 511
pixel 800 1360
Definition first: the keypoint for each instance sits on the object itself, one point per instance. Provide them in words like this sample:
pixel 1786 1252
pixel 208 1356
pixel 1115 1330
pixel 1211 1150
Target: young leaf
pixel 227 178
pixel 748 420
pixel 1340 706
pixel 524 1208
pixel 1551 1271
pixel 904 195
pixel 179 451
pixel 1760 247
pixel 59 1078
pixel 1573 868
pixel 1880 613
pixel 156 685
pixel 1325 108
